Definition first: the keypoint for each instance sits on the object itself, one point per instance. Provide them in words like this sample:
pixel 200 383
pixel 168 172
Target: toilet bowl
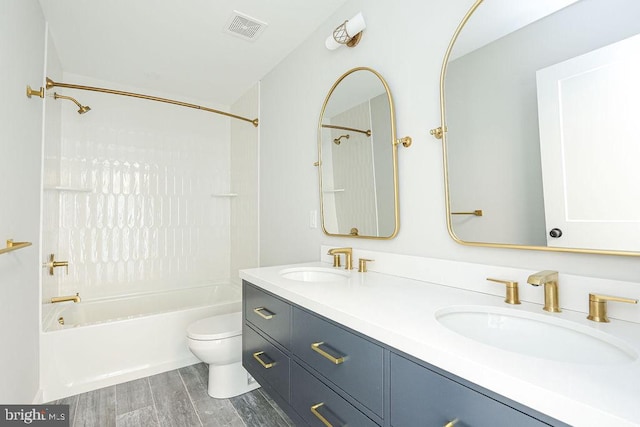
pixel 217 341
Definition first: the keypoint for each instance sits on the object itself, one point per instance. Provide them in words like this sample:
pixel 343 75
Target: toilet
pixel 217 341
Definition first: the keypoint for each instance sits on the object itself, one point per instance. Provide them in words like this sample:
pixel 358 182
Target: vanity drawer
pixel 264 361
pixel 313 401
pixel 349 361
pixel 268 313
pixel 421 397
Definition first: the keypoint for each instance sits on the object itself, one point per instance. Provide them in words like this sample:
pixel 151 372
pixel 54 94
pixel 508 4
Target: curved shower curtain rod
pixel 51 84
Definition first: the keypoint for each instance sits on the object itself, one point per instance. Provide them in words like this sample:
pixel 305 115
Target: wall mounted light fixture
pixel 348 33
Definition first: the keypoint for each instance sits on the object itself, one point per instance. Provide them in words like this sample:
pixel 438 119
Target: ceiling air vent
pixel 244 26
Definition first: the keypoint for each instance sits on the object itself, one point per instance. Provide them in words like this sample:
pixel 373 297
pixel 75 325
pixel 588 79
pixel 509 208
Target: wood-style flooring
pixel 176 398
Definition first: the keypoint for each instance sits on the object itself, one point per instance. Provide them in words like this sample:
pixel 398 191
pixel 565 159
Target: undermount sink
pixel 536 335
pixel 313 274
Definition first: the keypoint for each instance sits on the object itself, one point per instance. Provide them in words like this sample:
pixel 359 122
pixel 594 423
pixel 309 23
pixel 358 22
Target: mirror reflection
pixel 357 158
pixel 542 133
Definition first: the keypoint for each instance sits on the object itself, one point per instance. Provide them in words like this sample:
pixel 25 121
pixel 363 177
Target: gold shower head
pixel 82 108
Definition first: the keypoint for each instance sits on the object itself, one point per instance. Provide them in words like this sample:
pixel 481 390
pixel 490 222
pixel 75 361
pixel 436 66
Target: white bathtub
pixel 109 341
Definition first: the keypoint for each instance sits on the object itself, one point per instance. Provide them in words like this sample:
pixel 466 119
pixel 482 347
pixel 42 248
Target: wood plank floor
pixel 176 398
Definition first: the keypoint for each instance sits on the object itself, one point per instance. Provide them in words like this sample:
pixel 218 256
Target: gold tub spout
pixel 74 298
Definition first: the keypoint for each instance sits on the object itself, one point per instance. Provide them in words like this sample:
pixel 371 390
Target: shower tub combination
pixel 108 341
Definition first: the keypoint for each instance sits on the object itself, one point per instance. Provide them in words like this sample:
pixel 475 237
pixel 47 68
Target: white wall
pixel 22 35
pixel 244 182
pixel 405 41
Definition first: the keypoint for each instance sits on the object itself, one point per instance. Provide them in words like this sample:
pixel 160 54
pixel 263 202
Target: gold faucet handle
pixel 598 306
pixel 54 264
pixel 362 264
pixel 512 296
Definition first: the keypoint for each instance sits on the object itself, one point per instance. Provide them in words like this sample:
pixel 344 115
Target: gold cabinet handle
pixel 314 411
pixel 265 365
pixel 335 360
pixel 451 423
pixel 259 312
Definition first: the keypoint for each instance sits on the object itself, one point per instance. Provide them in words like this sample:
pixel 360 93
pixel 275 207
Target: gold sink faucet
pixel 598 306
pixel 74 298
pixel 348 254
pixel 549 279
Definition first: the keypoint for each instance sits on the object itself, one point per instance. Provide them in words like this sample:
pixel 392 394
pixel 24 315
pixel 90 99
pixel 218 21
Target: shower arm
pixel 58 96
pixel 51 84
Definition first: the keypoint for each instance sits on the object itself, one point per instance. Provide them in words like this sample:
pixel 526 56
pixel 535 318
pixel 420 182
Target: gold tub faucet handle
pixel 55 264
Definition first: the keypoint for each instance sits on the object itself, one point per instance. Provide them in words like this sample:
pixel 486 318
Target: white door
pixel 589 116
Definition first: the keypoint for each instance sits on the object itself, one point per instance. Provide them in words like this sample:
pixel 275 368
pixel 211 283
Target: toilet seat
pixel 216 327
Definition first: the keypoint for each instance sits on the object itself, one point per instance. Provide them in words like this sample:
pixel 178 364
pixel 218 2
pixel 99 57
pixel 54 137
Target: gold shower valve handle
pixel 55 264
pixel 512 296
pixel 598 306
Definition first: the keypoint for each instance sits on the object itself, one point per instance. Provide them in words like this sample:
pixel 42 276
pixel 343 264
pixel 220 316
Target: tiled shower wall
pixel 137 193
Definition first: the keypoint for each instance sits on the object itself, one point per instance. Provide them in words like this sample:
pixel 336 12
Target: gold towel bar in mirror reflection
pixel 366 132
pixel 51 84
pixel 477 212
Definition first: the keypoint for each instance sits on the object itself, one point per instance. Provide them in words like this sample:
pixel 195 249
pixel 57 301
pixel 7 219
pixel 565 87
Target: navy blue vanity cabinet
pixel 318 404
pixel 265 361
pixel 422 397
pixel 269 314
pixel 349 361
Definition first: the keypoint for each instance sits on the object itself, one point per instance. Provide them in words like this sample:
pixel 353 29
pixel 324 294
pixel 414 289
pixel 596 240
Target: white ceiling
pixel 179 46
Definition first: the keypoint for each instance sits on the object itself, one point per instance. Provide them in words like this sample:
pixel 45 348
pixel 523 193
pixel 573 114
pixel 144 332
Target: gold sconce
pixel 348 33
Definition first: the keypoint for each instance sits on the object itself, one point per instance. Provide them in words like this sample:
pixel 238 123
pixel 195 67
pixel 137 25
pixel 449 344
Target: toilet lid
pixel 216 327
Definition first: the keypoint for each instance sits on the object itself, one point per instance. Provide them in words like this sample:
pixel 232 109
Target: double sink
pixel 538 335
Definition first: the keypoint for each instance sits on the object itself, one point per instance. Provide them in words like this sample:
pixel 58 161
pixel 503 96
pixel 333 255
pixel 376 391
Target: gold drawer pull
pixel 259 312
pixel 451 423
pixel 265 365
pixel 335 360
pixel 314 411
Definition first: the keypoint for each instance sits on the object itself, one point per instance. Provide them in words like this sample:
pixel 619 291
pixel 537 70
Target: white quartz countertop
pixel 400 312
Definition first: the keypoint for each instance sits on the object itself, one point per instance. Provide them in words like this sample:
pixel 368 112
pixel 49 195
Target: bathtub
pixel 97 343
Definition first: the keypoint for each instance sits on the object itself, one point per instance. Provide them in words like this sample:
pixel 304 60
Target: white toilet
pixel 217 341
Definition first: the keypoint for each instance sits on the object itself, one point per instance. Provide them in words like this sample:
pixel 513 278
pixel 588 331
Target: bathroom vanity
pixel 372 349
pixel 327 374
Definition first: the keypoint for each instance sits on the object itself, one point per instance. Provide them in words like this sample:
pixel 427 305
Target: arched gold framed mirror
pixel 358 158
pixel 538 100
